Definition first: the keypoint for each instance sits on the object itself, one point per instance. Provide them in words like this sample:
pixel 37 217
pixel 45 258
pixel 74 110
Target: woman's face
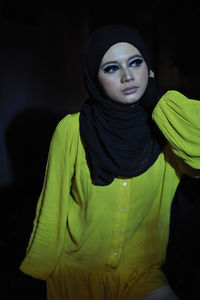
pixel 123 74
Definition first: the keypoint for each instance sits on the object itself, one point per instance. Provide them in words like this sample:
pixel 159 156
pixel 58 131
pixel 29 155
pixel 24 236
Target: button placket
pixel 122 203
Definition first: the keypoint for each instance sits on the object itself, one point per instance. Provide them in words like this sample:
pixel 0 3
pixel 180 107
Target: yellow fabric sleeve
pixel 47 237
pixel 179 120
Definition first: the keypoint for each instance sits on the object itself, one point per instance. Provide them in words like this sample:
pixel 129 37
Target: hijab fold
pixel 119 140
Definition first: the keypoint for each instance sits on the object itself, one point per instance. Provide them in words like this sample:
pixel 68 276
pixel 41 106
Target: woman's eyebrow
pixel 115 61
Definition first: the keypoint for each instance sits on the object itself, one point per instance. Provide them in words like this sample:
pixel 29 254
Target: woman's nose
pixel 127 75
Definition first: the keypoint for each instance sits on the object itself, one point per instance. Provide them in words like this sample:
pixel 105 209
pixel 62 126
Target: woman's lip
pixel 129 90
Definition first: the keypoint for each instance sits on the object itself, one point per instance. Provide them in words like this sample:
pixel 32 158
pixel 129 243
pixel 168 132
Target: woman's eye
pixel 111 69
pixel 136 62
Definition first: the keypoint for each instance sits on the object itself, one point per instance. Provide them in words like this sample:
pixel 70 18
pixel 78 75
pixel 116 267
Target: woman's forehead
pixel 120 51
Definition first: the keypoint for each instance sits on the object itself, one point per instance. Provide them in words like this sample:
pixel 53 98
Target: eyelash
pixel 111 69
pixel 137 62
pixel 134 63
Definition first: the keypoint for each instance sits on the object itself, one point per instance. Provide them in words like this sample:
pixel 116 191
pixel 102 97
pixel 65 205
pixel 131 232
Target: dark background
pixel 41 82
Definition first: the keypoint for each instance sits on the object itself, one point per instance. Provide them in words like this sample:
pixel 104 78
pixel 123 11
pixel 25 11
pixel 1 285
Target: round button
pixel 115 252
pixel 124 183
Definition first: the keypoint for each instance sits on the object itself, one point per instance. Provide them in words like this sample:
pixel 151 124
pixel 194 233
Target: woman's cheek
pixel 109 85
pixel 144 75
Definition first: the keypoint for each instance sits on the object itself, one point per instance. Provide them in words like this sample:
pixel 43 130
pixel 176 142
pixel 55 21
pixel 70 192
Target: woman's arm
pixel 179 120
pixel 49 226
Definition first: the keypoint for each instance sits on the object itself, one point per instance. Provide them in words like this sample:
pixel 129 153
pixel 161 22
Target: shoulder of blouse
pixel 66 134
pixel 70 122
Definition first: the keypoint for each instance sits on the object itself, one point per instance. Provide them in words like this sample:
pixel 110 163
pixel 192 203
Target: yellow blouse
pixel 121 228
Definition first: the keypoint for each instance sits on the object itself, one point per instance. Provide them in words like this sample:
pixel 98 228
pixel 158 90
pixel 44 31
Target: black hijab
pixel 119 140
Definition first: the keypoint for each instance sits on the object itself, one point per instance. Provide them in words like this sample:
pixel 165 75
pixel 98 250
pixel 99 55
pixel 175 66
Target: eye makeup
pixel 136 62
pixel 114 66
pixel 111 69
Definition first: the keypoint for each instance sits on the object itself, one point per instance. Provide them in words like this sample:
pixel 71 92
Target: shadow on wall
pixel 28 138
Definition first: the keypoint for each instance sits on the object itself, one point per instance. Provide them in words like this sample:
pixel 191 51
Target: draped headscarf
pixel 119 140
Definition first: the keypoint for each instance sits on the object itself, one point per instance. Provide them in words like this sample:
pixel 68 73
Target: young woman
pixel 102 221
